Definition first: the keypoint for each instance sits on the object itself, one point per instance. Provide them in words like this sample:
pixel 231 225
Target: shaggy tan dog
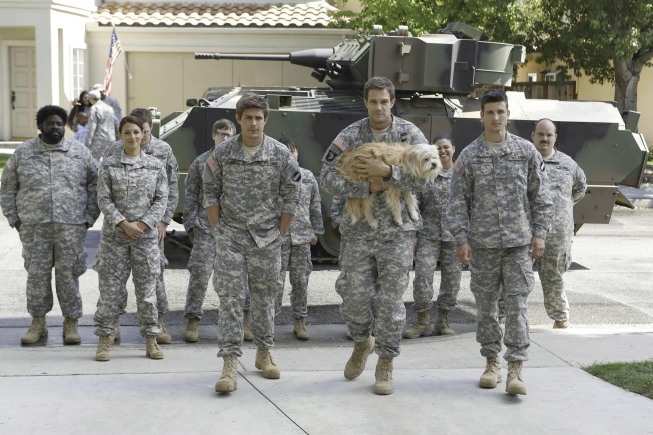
pixel 419 161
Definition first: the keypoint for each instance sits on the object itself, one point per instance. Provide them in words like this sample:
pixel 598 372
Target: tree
pixel 606 39
pixel 496 18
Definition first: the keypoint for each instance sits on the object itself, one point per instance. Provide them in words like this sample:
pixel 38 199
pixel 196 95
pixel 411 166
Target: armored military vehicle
pixel 435 76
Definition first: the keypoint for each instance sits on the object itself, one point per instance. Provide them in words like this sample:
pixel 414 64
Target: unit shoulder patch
pixel 212 164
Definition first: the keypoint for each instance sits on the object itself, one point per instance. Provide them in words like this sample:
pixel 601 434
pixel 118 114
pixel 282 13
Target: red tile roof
pixel 308 14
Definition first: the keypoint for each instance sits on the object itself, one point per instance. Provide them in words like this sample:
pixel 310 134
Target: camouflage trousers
pixel 116 259
pixel 378 269
pixel 426 261
pixel 296 259
pixel 555 261
pixel 161 296
pixel 242 265
pixel 200 265
pixel 491 269
pixel 60 246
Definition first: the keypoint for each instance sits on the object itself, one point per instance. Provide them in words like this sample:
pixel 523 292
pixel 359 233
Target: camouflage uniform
pixel 435 242
pixel 337 209
pixel 101 129
pixel 374 261
pixel 498 204
pixel 251 193
pixel 117 111
pixel 567 186
pixel 51 190
pixel 162 151
pixel 296 246
pixel 132 191
pixel 196 221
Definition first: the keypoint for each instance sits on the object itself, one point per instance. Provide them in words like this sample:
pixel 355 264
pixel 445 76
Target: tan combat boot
pixel 266 365
pixel 442 323
pixel 356 363
pixel 70 333
pixel 36 330
pixel 152 348
pixel 515 384
pixel 383 375
pixel 192 330
pixel 422 327
pixel 247 331
pixel 300 330
pixel 561 324
pixel 163 337
pixel 116 335
pixel 228 381
pixel 492 374
pixel 103 347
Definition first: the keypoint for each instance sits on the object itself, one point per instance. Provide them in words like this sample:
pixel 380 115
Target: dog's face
pixel 422 161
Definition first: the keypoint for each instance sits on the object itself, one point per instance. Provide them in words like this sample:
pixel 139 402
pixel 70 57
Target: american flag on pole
pixel 114 51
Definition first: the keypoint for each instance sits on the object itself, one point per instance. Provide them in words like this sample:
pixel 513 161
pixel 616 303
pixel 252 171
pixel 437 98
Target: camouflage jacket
pixel 194 214
pixel 50 184
pixel 101 125
pixel 161 150
pixel 115 106
pixel 433 204
pixel 308 218
pixel 135 192
pixel 338 204
pixel 355 135
pixel 499 200
pixel 567 184
pixel 251 193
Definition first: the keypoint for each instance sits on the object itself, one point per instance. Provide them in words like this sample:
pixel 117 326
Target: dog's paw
pixel 374 224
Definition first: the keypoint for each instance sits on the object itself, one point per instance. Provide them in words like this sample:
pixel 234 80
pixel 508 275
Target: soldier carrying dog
pixel 374 261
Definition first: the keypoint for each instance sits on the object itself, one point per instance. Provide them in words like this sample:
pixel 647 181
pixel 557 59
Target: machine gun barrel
pixel 312 58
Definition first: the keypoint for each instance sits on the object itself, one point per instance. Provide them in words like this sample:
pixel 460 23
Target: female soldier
pixel 434 242
pixel 132 194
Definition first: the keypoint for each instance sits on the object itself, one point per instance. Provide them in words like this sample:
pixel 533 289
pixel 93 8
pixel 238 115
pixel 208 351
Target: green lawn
pixel 636 377
pixel 3 160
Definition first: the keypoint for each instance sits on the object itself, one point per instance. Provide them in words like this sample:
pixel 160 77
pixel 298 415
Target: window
pixel 78 69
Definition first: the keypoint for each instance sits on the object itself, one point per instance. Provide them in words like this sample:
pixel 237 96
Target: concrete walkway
pixel 62 390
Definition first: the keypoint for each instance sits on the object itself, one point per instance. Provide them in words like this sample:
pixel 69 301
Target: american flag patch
pixel 458 167
pixel 190 172
pixel 213 165
pixel 340 143
pixel 10 164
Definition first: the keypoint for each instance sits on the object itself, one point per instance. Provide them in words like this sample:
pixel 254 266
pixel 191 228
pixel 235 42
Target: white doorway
pixel 22 88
